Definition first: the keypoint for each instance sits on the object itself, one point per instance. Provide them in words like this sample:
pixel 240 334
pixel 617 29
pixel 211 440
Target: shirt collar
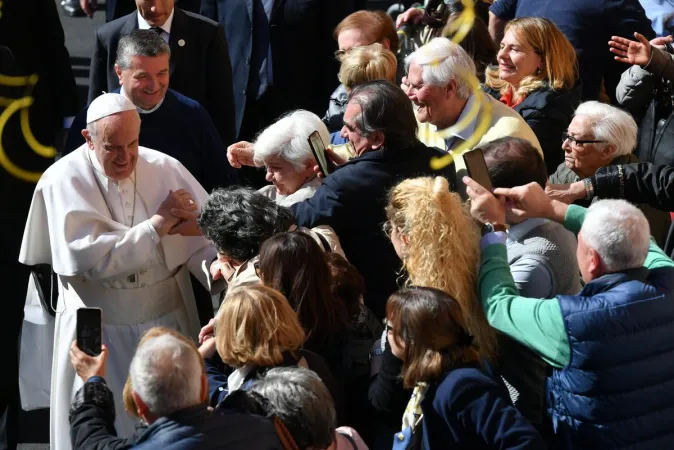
pixel 143 25
pixel 469 129
pixel 519 230
pixel 138 108
pixel 100 173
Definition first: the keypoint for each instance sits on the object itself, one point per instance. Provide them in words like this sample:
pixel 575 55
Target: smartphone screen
pixel 477 169
pixel 89 330
pixel 318 149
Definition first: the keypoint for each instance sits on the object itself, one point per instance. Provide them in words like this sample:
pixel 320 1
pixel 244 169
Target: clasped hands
pixel 177 214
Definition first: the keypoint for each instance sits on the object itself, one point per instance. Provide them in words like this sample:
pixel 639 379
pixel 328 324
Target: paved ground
pixel 79 32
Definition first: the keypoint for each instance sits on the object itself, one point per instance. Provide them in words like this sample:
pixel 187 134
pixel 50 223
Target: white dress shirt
pixel 143 25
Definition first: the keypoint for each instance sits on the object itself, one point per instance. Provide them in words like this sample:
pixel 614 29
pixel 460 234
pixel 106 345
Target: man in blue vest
pixel 611 347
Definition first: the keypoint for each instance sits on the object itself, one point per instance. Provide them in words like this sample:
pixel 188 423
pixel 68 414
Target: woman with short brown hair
pixel 457 402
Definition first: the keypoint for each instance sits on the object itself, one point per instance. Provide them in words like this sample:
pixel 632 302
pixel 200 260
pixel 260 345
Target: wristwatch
pixel 489 227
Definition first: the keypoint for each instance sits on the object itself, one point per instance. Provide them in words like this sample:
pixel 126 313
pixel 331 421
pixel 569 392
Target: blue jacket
pixel 469 409
pixel 352 200
pixel 618 389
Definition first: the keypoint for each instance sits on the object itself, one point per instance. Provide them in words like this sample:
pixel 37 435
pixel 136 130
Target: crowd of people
pixel 252 299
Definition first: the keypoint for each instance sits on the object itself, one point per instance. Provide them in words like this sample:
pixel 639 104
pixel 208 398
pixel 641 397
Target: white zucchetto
pixel 108 104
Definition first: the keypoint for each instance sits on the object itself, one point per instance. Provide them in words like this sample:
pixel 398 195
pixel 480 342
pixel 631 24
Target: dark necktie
pixel 157 30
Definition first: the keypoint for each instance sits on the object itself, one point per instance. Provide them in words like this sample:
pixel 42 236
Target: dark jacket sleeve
pixel 216 171
pixel 638 183
pixel 330 204
pixel 98 71
pixel 220 102
pixel 386 391
pixel 217 380
pixel 92 419
pixel 490 415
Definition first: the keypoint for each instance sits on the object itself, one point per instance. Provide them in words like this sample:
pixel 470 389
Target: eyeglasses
pixel 573 140
pixel 411 86
pixel 339 54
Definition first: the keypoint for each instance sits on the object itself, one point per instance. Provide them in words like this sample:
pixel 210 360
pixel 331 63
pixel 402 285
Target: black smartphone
pixel 477 168
pixel 90 330
pixel 318 149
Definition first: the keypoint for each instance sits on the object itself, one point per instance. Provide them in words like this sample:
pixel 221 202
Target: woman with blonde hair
pixel 537 75
pixel 256 330
pixel 438 243
pixel 359 29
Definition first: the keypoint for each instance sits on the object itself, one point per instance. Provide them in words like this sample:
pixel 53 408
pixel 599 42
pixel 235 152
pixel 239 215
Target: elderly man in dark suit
pixel 200 68
pixel 282 55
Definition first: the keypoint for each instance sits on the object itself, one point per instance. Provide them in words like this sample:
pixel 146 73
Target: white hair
pixel 166 374
pixel 610 124
pixel 91 128
pixel 441 61
pixel 288 138
pixel 619 232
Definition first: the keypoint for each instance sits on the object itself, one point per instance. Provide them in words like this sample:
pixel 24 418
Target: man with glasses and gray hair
pixel 602 135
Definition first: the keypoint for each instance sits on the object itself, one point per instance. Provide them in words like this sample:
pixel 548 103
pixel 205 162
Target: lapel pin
pixel 181 42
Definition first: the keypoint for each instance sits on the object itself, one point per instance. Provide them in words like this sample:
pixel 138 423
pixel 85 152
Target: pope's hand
pixel 187 226
pixel 88 366
pixel 484 206
pixel 164 220
pixel 240 154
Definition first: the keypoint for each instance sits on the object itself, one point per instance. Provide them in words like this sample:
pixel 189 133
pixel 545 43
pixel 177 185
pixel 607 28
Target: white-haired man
pixel 101 218
pixel 169 391
pixel 602 135
pixel 611 346
pixel 436 83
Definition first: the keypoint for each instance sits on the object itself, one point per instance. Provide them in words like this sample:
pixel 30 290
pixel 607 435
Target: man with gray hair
pixel 314 425
pixel 611 346
pixel 437 84
pixel 169 389
pixel 602 135
pixel 170 122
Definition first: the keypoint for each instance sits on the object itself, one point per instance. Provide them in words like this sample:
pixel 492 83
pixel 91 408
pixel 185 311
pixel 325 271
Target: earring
pixel 538 71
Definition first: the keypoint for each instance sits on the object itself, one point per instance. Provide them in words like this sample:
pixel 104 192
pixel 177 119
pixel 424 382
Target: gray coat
pixel 635 90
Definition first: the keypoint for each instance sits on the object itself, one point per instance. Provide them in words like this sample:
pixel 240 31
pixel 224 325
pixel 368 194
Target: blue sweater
pixel 180 128
pixel 470 410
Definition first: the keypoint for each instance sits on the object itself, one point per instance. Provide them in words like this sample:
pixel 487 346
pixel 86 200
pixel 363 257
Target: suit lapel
pixel 278 6
pixel 130 24
pixel 249 5
pixel 178 34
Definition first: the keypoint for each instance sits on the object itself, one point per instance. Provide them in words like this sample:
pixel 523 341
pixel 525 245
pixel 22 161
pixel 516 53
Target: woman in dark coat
pixel 537 76
pixel 457 402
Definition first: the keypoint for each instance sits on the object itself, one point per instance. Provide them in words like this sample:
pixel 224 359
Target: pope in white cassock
pixel 100 217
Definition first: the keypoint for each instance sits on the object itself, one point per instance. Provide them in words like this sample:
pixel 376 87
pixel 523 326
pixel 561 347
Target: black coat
pixel 304 67
pixel 548 113
pixel 352 200
pixel 200 68
pixel 92 427
pixel 639 183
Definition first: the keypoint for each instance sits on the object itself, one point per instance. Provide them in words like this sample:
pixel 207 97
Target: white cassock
pixel 96 235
